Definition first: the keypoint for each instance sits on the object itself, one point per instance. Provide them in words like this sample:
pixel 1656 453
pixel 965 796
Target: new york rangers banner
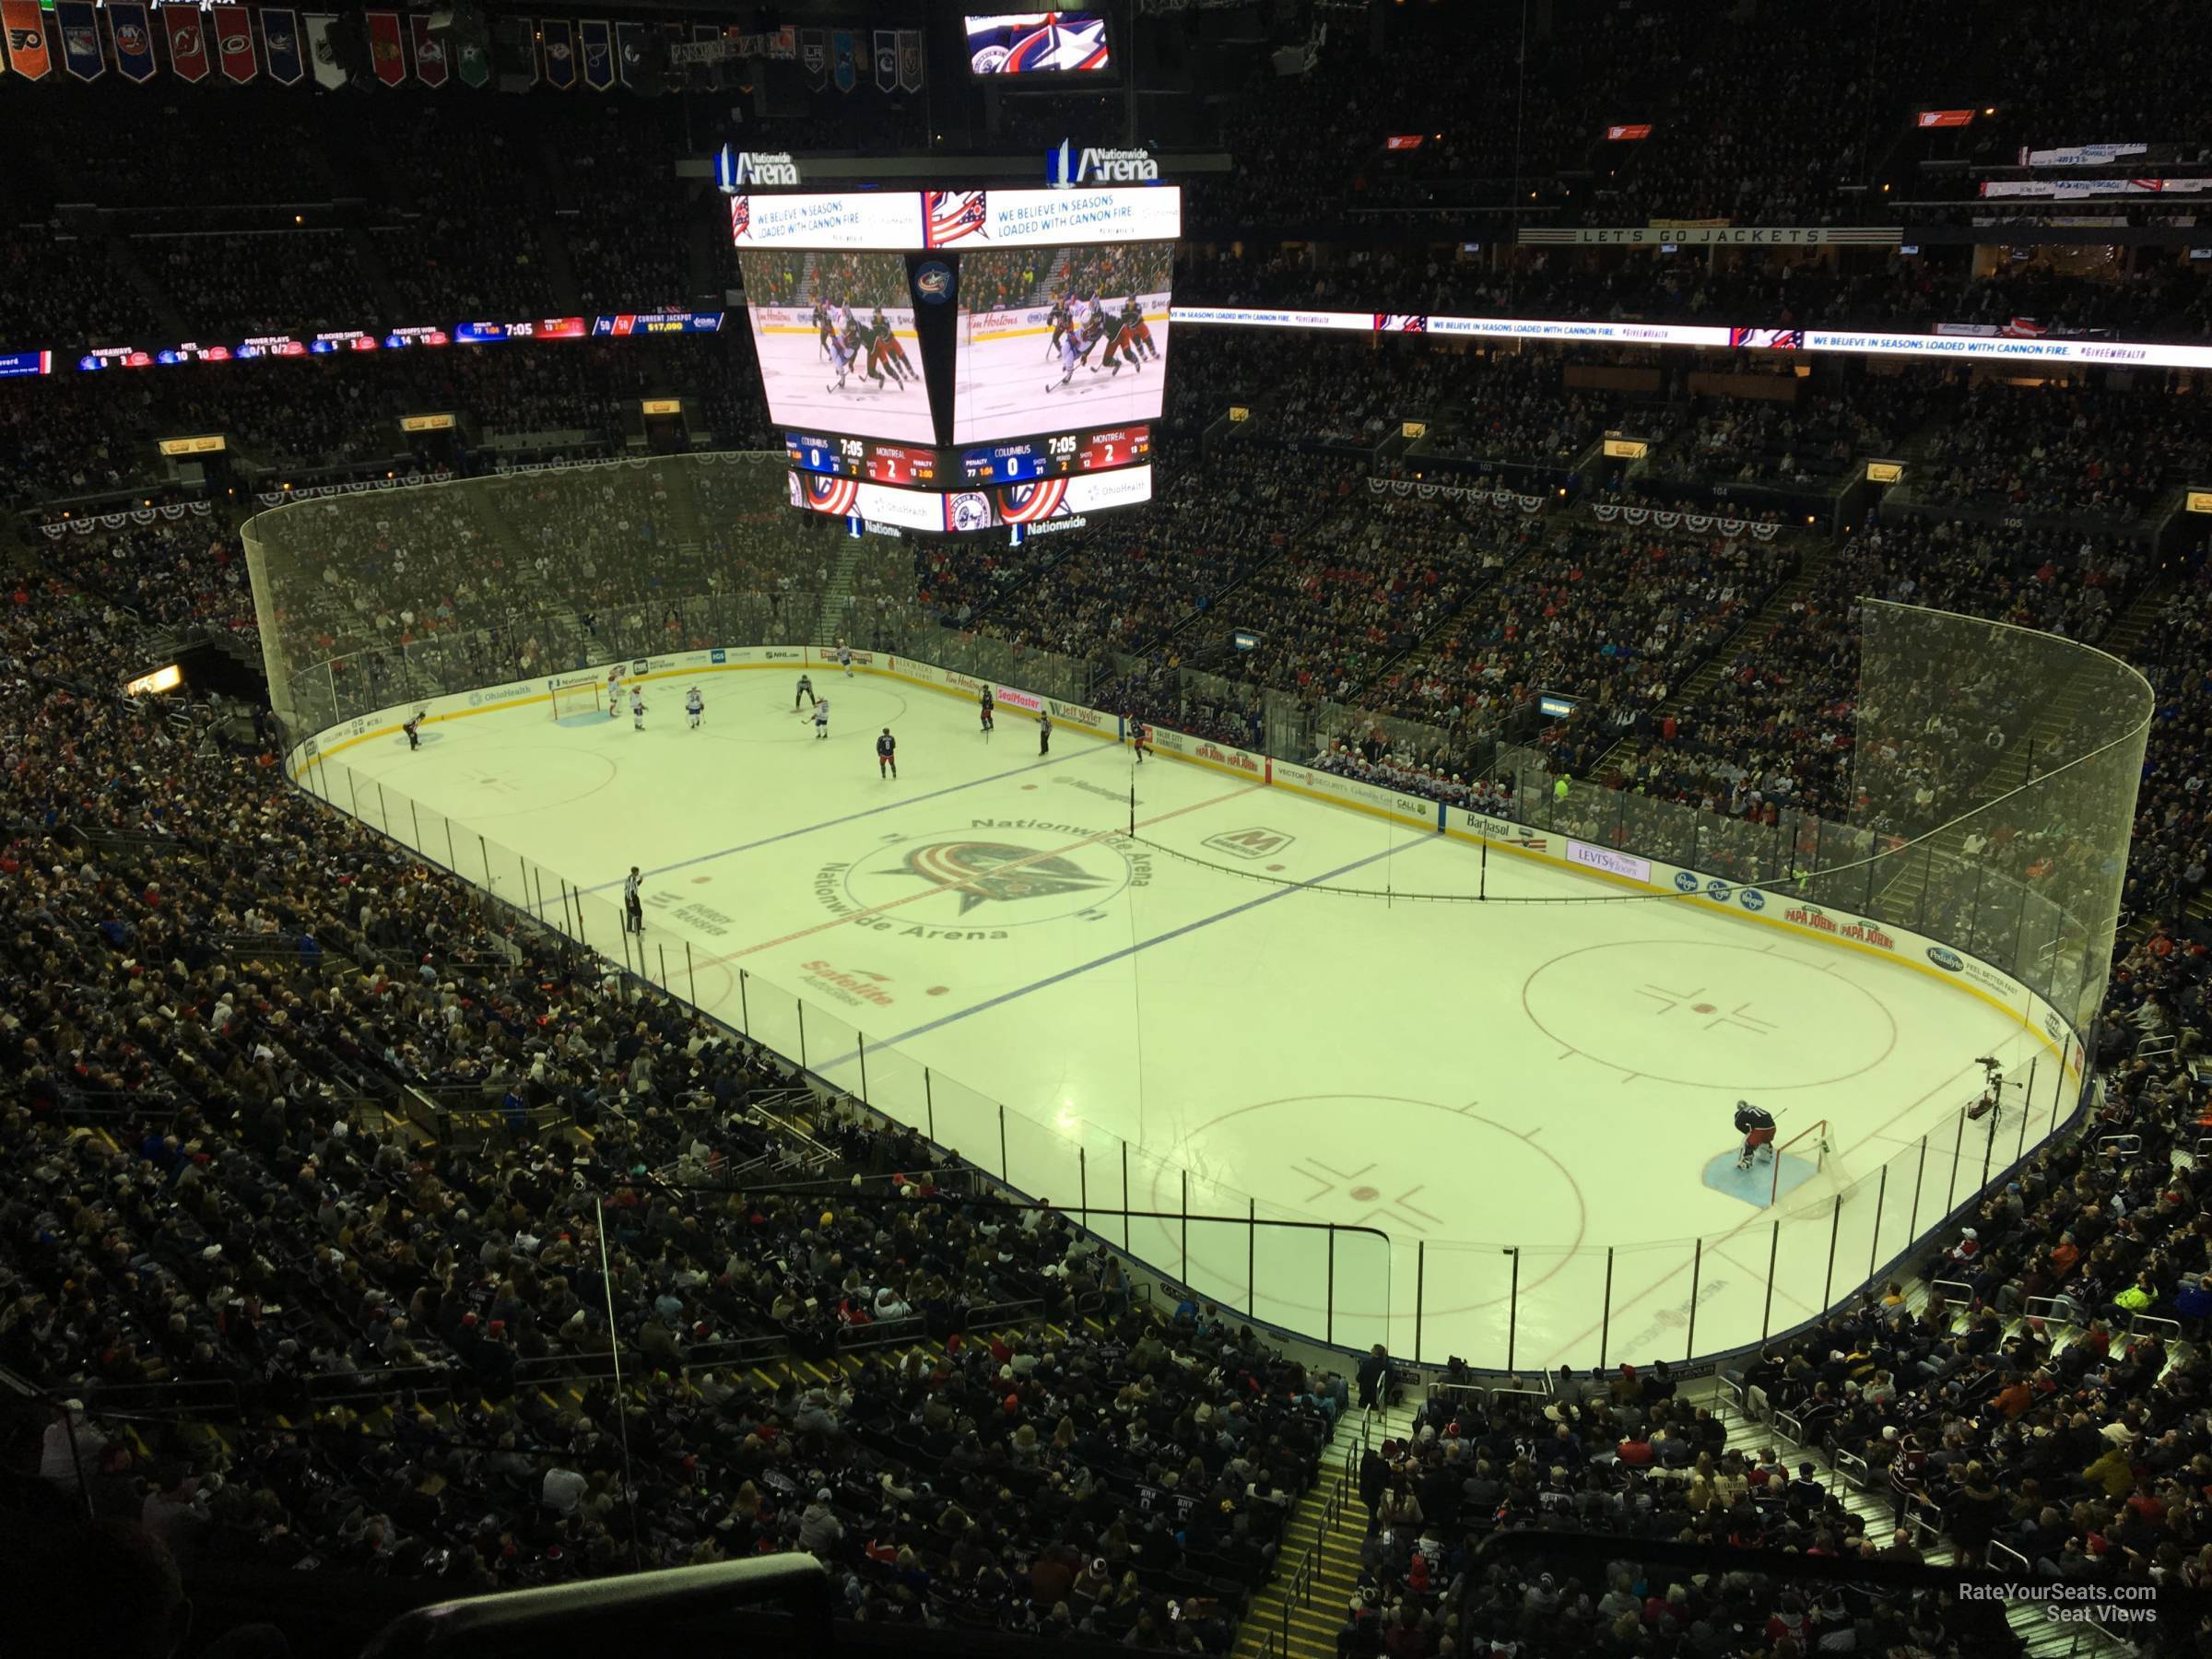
pixel 81 54
pixel 26 29
pixel 133 41
pixel 280 39
pixel 187 43
pixel 429 51
pixel 814 55
pixel 386 55
pixel 597 39
pixel 910 60
pixel 629 54
pixel 886 59
pixel 845 50
pixel 234 42
pixel 560 53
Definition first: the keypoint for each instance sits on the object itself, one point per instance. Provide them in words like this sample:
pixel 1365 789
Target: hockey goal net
pixel 576 694
pixel 1801 1156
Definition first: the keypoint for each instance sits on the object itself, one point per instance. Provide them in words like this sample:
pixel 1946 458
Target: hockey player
pixel 412 728
pixel 821 717
pixel 614 692
pixel 1140 331
pixel 695 706
pixel 987 709
pixel 637 709
pixel 633 903
pixel 1045 733
pixel 1756 1124
pixel 1062 322
pixel 882 343
pixel 886 755
pixel 805 693
pixel 844 347
pixel 1121 340
pixel 845 658
pixel 1140 738
pixel 825 331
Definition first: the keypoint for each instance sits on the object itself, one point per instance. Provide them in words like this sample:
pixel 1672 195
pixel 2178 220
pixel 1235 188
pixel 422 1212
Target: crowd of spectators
pixel 2058 451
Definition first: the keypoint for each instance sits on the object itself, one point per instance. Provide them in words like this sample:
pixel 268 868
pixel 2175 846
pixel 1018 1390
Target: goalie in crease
pixel 1756 1124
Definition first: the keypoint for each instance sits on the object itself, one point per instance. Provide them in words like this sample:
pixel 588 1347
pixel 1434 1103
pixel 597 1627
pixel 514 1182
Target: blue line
pixel 769 841
pixel 1127 951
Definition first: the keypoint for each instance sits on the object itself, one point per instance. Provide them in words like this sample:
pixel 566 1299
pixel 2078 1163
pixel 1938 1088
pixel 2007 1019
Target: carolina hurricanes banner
pixel 560 54
pixel 886 59
pixel 26 38
pixel 81 54
pixel 280 38
pixel 386 55
pixel 187 43
pixel 134 42
pixel 234 42
pixel 429 51
pixel 597 39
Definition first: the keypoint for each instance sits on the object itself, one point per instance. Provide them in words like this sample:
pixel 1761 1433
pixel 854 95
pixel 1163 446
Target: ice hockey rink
pixel 1555 1079
pixel 1008 376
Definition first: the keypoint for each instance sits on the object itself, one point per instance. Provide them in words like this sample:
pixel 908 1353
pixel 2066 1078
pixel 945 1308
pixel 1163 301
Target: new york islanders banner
pixel 26 27
pixel 560 53
pixel 133 40
pixel 280 39
pixel 187 43
pixel 386 55
pixel 234 42
pixel 429 51
pixel 81 54
pixel 597 38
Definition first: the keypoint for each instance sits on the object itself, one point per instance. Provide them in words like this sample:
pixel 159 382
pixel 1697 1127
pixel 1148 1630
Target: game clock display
pixel 902 463
pixel 1055 457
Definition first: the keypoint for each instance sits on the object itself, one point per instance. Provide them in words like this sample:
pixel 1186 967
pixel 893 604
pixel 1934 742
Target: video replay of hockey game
pixel 834 331
pixel 1056 337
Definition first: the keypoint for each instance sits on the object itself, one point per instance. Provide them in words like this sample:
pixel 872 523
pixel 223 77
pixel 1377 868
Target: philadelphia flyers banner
pixel 187 43
pixel 386 55
pixel 26 27
pixel 234 42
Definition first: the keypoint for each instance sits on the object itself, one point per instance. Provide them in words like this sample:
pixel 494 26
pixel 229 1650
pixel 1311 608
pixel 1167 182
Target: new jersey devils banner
pixel 280 36
pixel 187 43
pixel 25 29
pixel 81 54
pixel 133 40
pixel 386 55
pixel 234 42
pixel 429 51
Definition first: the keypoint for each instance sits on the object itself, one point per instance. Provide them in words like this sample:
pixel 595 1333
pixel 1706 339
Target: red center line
pixel 932 892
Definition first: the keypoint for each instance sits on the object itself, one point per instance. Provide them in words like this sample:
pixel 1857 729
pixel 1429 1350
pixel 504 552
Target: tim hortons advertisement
pixel 1208 753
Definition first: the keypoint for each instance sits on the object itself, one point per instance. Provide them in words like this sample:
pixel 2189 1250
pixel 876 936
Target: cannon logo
pixel 979 883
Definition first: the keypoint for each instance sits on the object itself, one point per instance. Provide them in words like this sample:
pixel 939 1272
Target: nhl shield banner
pixel 134 39
pixel 597 39
pixel 560 54
pixel 26 27
pixel 814 55
pixel 910 60
pixel 429 51
pixel 320 50
pixel 187 43
pixel 844 55
pixel 280 42
pixel 81 54
pixel 233 29
pixel 386 55
pixel 887 61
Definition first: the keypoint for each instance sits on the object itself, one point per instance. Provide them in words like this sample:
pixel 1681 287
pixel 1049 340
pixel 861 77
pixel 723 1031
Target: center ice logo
pixel 979 883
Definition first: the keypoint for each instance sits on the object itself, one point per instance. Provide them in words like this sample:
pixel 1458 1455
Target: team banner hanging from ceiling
pixel 560 53
pixel 429 51
pixel 814 55
pixel 187 43
pixel 233 28
pixel 844 52
pixel 598 41
pixel 387 56
pixel 474 67
pixel 324 53
pixel 81 54
pixel 26 27
pixel 133 40
pixel 280 41
pixel 629 54
pixel 886 59
pixel 910 61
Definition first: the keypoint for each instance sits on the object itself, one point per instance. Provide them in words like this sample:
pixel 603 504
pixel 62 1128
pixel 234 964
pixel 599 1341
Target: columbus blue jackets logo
pixel 836 497
pixel 932 282
pixel 984 872
pixel 1026 504
pixel 954 216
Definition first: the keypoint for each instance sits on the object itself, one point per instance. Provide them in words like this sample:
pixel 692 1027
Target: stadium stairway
pixel 835 622
pixel 1302 1607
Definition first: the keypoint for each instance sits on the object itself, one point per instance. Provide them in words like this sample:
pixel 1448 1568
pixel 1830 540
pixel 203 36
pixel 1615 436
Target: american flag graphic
pixel 1027 503
pixel 954 216
pixel 741 219
pixel 837 497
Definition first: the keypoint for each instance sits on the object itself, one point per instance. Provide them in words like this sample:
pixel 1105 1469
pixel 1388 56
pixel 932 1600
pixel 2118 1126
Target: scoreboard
pixel 1057 457
pixel 910 465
